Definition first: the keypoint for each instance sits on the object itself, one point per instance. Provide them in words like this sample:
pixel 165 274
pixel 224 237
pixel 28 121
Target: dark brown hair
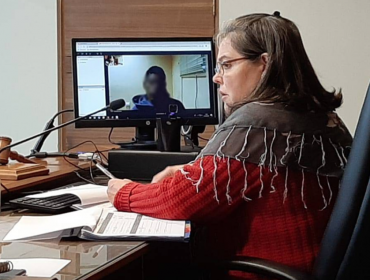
pixel 289 76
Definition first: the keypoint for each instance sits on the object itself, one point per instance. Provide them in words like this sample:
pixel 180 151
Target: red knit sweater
pixel 265 226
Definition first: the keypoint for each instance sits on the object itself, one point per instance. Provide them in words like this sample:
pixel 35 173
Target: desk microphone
pixel 114 105
pixel 50 124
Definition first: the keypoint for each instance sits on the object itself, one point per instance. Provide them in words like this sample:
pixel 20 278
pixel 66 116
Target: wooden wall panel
pixel 123 18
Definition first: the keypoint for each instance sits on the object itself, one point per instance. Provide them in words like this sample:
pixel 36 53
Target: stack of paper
pixel 98 223
pixel 50 227
pixel 115 225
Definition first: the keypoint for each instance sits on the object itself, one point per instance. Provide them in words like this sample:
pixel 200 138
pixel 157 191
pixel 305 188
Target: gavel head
pixel 4 155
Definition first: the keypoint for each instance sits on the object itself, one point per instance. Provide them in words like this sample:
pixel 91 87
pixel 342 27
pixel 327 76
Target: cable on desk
pixel 115 143
pixel 110 135
pixel 84 179
pixel 205 139
pixel 89 169
pixel 191 141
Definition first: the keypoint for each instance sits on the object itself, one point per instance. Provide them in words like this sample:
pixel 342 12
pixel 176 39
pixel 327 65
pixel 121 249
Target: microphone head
pixel 117 104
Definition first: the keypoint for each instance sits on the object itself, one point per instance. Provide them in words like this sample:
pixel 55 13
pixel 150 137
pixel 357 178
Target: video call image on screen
pixel 166 83
pixel 170 83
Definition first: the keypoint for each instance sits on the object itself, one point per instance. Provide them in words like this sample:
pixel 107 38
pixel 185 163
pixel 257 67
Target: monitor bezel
pixel 101 123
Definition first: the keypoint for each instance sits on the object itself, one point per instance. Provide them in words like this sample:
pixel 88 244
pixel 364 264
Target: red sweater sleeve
pixel 180 197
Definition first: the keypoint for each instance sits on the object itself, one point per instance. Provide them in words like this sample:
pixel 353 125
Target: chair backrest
pixel 351 207
pixel 355 265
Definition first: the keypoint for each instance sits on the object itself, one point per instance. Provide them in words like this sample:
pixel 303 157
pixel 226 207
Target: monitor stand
pixel 168 131
pixel 168 140
pixel 144 140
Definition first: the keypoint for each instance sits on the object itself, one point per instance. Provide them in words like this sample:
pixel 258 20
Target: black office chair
pixel 345 248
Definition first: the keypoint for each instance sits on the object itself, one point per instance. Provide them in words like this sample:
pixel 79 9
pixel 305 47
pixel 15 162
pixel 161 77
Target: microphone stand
pixel 50 124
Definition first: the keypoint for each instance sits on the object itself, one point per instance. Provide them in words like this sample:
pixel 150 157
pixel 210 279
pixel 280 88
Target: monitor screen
pixel 157 78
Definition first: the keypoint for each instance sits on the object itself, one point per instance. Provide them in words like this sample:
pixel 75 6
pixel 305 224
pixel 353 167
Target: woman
pixel 156 98
pixel 266 182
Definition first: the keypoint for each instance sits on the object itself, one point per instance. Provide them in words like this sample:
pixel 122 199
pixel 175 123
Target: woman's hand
pixel 167 172
pixel 114 186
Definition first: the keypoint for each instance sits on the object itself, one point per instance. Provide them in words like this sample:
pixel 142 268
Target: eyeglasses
pixel 221 66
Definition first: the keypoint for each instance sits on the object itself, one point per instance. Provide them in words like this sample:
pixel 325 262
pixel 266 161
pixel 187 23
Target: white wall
pixel 28 69
pixel 336 37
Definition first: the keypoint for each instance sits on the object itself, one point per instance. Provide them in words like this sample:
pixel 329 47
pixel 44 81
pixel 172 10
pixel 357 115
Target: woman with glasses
pixel 265 184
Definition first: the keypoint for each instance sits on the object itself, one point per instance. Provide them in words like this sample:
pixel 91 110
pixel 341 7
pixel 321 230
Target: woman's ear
pixel 265 59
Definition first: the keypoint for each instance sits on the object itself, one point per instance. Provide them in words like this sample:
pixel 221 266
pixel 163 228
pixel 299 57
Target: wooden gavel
pixel 8 154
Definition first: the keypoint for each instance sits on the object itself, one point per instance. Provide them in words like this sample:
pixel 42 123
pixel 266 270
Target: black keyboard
pixel 54 204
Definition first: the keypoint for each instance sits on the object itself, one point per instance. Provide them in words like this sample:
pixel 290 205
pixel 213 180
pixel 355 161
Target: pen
pixel 104 170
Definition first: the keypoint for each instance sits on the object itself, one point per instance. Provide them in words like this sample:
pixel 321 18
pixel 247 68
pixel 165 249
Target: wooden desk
pixel 61 173
pixel 89 260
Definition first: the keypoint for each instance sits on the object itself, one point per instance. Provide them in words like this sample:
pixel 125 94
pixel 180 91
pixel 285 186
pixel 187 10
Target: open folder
pixel 98 224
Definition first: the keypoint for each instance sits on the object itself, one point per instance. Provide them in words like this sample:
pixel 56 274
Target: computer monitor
pixel 157 78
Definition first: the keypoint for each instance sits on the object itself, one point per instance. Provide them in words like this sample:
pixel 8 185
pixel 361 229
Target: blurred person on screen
pixel 156 98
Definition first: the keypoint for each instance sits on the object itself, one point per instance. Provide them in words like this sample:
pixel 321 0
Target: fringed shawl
pixel 273 136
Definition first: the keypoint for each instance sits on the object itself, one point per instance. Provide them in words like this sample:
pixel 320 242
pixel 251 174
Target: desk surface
pixel 60 170
pixel 88 259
